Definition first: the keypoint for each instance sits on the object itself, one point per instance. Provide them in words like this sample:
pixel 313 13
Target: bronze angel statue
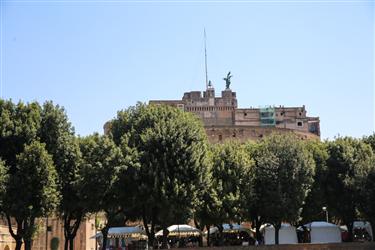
pixel 227 80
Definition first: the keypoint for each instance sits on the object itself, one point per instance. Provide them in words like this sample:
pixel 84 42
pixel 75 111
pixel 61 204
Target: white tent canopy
pixel 123 232
pixel 180 230
pixel 229 228
pixel 364 224
pixel 360 224
pixel 324 232
pixel 287 234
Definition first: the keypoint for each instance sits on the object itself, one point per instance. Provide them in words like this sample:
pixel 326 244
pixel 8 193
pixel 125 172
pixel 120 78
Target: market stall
pixel 125 238
pixel 180 236
pixel 323 232
pixel 287 234
pixel 233 234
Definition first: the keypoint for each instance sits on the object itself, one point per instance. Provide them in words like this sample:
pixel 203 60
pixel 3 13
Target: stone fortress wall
pixel 223 119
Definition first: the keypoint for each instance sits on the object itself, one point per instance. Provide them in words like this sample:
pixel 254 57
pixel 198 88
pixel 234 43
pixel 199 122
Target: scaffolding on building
pixel 267 116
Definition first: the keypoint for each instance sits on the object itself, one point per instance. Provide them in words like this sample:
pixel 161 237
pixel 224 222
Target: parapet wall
pixel 217 134
pixel 332 246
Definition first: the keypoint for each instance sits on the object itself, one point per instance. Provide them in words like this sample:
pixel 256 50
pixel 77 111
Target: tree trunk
pixel 28 233
pixel 17 237
pixel 350 231
pixel 66 243
pixel 208 235
pixel 151 241
pixel 18 244
pixel 373 229
pixel 149 231
pixel 277 228
pixel 71 243
pixel 221 235
pixel 28 243
pixel 258 234
pixel 70 231
pixel 200 240
pixel 164 245
pixel 66 219
pixel 105 237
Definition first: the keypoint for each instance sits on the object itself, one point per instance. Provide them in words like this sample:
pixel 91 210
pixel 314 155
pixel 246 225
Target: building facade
pixel 49 229
pixel 223 119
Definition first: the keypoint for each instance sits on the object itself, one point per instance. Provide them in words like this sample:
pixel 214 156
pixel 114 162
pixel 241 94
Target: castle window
pixel 220 137
pixel 299 124
pixel 245 114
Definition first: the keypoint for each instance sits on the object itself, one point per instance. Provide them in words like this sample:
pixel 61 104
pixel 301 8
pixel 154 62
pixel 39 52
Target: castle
pixel 223 120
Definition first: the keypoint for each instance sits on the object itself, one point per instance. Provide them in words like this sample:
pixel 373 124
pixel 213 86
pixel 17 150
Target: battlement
pixel 221 114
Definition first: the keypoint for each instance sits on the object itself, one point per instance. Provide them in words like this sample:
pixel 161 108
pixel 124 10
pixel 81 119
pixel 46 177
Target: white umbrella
pixel 176 230
pixel 123 232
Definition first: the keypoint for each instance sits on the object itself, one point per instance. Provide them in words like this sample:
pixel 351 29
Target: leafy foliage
pixel 349 162
pixel 316 199
pixel 171 150
pixel 103 165
pixel 231 164
pixel 370 140
pixel 367 203
pixel 283 177
pixel 58 134
pixel 21 124
pixel 31 189
pixel 3 181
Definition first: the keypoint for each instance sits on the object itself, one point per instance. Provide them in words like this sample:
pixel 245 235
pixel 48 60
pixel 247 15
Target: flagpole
pixel 205 57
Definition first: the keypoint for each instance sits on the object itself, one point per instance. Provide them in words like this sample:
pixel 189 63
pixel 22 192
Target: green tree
pixel 207 205
pixel 370 140
pixel 58 134
pixel 250 195
pixel 31 191
pixel 316 199
pixel 171 147
pixel 349 162
pixel 367 204
pixel 283 177
pixel 20 124
pixel 3 181
pixel 103 167
pixel 231 166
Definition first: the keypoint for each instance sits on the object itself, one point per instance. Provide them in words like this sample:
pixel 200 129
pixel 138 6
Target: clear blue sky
pixel 95 58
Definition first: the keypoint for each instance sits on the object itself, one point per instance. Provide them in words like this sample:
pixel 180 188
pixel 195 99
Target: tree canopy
pixel 283 177
pixel 317 197
pixel 349 162
pixel 103 164
pixel 231 164
pixel 31 191
pixel 58 134
pixel 171 147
